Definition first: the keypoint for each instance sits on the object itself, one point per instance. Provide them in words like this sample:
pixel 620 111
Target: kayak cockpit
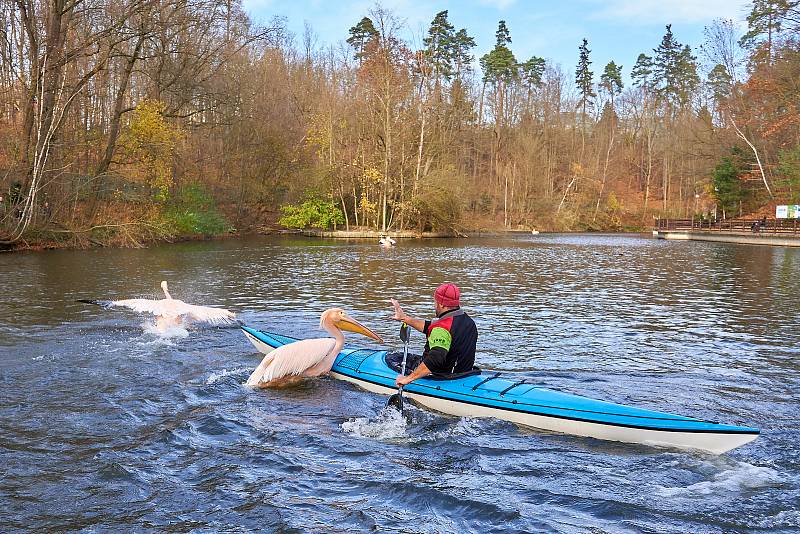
pixel 394 360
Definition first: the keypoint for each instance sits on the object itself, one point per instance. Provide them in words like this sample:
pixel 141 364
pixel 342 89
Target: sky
pixel 617 30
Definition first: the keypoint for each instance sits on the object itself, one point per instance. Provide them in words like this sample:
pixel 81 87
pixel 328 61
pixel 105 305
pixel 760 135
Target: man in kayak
pixel 451 336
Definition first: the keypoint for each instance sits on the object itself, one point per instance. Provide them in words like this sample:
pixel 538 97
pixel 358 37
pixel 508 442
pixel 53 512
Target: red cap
pixel 447 295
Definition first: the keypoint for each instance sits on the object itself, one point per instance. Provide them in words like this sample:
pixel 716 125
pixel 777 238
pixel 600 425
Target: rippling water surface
pixel 107 426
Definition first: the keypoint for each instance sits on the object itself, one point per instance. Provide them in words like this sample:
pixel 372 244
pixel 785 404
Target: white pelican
pixel 170 312
pixel 387 241
pixel 309 357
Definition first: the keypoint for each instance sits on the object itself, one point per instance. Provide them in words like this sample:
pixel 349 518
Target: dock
pixel 775 232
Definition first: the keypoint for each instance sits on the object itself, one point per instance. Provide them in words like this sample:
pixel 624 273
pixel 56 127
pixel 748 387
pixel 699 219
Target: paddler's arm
pixel 413 322
pixel 420 372
pixel 439 343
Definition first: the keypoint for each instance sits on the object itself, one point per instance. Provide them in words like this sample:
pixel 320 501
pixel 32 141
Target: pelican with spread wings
pixel 309 357
pixel 170 312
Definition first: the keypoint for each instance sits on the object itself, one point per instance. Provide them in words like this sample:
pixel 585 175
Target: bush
pixel 436 208
pixel 313 212
pixel 194 212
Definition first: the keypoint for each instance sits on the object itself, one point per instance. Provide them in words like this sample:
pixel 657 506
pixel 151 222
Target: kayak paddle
pixel 396 400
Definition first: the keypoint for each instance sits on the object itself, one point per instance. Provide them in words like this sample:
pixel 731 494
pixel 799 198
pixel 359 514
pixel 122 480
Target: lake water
pixel 107 426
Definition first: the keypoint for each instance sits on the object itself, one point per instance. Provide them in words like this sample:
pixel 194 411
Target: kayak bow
pixel 491 395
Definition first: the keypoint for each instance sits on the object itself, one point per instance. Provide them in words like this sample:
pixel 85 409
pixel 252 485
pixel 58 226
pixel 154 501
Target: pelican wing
pixel 207 314
pixel 156 307
pixel 291 359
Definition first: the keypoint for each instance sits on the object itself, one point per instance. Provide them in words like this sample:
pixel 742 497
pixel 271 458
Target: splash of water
pixel 172 332
pixel 741 476
pixel 213 378
pixel 389 424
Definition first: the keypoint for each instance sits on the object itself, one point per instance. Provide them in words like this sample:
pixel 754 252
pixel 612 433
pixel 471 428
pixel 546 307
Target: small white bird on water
pixel 170 312
pixel 386 241
pixel 308 357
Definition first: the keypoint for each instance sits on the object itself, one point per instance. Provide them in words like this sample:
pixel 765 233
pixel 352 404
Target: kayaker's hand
pixel 399 314
pixel 402 380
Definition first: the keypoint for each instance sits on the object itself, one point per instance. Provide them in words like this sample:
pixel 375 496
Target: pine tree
pixel 720 83
pixel 642 72
pixel 611 80
pixel 675 72
pixel 765 22
pixel 360 36
pixel 686 78
pixel 439 45
pixel 664 65
pixel 584 79
pixel 532 71
pixel 500 65
pixel 462 57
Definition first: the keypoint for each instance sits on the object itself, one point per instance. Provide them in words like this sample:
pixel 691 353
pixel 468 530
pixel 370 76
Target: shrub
pixel 194 212
pixel 314 212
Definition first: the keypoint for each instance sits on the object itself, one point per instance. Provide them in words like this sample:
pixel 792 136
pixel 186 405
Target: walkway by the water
pixel 776 232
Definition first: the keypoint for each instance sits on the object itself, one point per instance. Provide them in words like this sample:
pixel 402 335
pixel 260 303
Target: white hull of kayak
pixel 262 347
pixel 714 442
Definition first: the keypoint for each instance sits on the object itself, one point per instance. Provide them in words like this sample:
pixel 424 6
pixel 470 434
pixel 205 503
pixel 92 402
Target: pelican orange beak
pixel 351 325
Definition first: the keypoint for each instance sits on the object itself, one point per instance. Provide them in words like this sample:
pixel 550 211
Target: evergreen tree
pixel 725 179
pixel 720 83
pixel 360 37
pixel 611 80
pixel 765 22
pixel 502 35
pixel 532 71
pixel 642 73
pixel 461 52
pixel 675 72
pixel 664 66
pixel 439 45
pixel 686 78
pixel 500 65
pixel 584 78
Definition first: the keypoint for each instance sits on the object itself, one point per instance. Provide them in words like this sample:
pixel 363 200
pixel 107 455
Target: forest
pixel 123 123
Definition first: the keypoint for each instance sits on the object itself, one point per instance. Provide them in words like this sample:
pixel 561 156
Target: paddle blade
pixel 404 334
pixel 396 401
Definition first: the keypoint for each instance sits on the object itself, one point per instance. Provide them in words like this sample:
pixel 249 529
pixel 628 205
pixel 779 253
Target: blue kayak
pixel 491 394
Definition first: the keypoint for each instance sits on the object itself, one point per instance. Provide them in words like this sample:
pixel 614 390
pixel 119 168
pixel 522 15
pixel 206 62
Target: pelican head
pixel 164 287
pixel 338 318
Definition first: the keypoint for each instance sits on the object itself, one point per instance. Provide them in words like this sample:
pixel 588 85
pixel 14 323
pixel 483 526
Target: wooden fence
pixel 737 226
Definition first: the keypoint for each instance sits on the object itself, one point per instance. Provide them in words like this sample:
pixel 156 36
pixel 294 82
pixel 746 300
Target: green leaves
pixel 314 212
pixel 193 212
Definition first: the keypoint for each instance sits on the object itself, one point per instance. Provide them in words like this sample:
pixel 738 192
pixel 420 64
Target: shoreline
pixel 37 246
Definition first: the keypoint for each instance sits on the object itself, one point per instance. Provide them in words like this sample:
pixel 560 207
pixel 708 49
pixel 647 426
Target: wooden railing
pixel 753 226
